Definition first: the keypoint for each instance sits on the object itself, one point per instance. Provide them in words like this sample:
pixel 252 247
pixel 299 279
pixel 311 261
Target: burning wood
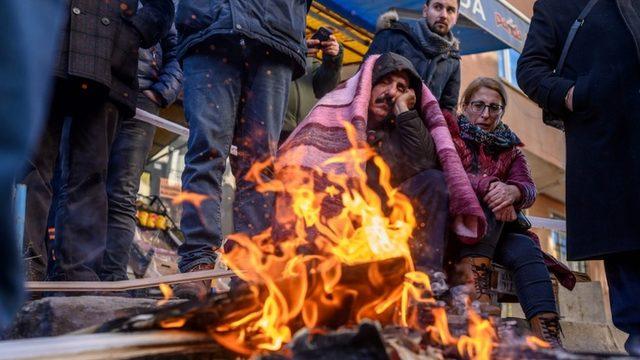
pixel 338 257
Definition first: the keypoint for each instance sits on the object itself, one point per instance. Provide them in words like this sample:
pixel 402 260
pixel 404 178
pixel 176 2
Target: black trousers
pixel 81 214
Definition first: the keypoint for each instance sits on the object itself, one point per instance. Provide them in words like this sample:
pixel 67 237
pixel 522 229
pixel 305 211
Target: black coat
pixel 159 69
pixel 279 24
pixel 603 132
pixel 440 70
pixel 100 44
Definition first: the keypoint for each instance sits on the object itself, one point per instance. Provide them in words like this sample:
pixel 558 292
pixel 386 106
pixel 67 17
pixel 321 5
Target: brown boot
pixel 546 326
pixel 196 289
pixel 477 271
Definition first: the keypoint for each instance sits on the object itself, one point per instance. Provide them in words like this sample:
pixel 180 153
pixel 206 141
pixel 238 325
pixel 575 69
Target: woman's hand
pixel 501 195
pixel 507 214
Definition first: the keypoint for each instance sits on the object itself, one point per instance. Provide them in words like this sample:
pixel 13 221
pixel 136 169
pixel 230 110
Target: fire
pixel 325 266
pixel 167 293
pixel 535 343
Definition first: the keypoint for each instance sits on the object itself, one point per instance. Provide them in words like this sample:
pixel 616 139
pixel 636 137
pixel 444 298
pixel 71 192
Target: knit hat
pixel 391 62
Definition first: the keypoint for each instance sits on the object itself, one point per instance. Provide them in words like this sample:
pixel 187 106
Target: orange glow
pixel 173 323
pixel 535 343
pixel 190 197
pixel 480 342
pixel 166 292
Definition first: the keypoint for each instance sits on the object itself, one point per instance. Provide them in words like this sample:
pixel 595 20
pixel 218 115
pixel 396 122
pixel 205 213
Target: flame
pixel 325 266
pixel 166 292
pixel 480 342
pixel 534 343
pixel 189 197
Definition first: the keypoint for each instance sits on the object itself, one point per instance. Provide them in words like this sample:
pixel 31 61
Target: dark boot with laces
pixel 546 326
pixel 477 271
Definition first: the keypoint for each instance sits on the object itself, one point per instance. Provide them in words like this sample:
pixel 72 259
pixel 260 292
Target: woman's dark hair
pixel 485 82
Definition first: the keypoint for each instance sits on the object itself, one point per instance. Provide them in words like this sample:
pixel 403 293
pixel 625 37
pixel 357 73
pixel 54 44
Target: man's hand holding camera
pixel 329 47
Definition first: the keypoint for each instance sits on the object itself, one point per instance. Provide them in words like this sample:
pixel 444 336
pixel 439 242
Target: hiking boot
pixel 546 326
pixel 194 290
pixel 477 271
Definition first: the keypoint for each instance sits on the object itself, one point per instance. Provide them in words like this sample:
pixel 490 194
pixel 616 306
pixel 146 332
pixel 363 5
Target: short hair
pixel 485 82
pixel 428 1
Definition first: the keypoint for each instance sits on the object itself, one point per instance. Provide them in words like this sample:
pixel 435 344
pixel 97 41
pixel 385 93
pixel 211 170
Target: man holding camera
pixel 321 77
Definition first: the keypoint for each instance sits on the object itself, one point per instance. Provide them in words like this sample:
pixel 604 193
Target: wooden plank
pixel 83 286
pixel 549 224
pixel 108 346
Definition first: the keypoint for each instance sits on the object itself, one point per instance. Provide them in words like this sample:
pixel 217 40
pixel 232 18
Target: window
pixel 507 62
pixel 559 242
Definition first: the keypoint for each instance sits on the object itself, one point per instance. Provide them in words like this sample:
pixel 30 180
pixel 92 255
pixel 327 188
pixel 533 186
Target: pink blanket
pixel 322 135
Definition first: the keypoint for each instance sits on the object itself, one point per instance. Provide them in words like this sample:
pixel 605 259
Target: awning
pixel 484 25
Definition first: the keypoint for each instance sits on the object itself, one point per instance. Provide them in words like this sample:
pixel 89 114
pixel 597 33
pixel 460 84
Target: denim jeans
pixel 430 199
pixel 81 216
pixel 519 254
pixel 623 277
pixel 235 92
pixel 129 151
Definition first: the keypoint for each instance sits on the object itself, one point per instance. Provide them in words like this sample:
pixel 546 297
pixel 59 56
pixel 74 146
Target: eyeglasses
pixel 479 106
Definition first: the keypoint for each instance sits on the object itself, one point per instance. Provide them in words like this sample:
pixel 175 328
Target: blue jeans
pixel 28 33
pixel 623 277
pixel 129 151
pixel 430 199
pixel 520 255
pixel 235 92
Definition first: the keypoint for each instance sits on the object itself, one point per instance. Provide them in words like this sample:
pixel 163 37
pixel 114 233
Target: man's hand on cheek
pixel 405 102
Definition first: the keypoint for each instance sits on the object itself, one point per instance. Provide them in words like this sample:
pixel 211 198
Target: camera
pixel 322 34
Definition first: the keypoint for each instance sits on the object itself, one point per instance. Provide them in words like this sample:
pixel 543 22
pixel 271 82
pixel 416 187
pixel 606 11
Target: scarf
pixel 494 142
pixel 432 43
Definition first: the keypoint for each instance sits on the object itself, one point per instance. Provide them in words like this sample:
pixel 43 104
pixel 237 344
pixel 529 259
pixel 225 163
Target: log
pixel 124 285
pixel 147 345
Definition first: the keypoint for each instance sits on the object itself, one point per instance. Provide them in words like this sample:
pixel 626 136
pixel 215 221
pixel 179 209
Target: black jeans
pixel 129 151
pixel 235 94
pixel 430 199
pixel 520 255
pixel 81 216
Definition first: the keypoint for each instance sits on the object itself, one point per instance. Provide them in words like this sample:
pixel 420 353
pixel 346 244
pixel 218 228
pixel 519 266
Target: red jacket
pixel 510 167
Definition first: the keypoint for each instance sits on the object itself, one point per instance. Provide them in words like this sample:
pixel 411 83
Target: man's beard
pixel 435 30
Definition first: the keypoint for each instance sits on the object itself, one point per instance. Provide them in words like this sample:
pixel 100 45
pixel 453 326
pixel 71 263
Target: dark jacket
pixel 100 42
pixel 405 145
pixel 603 131
pixel 439 67
pixel 159 69
pixel 279 24
pixel 321 78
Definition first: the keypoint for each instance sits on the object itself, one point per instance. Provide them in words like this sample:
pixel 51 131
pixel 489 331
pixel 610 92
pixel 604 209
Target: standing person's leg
pixel 39 175
pixel 430 198
pixel 81 219
pixel 129 151
pixel 623 277
pixel 519 254
pixel 264 96
pixel 211 99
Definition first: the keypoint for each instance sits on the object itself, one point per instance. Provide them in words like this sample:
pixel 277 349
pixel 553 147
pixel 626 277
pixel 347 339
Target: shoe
pixel 195 290
pixel 546 326
pixel 477 271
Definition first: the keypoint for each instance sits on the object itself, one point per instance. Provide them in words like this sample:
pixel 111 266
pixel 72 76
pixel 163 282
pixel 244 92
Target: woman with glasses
pixel 499 174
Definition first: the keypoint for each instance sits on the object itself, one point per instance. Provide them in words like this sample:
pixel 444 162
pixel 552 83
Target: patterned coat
pixel 100 42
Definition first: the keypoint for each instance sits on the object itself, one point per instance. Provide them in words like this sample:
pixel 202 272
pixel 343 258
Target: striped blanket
pixel 322 135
